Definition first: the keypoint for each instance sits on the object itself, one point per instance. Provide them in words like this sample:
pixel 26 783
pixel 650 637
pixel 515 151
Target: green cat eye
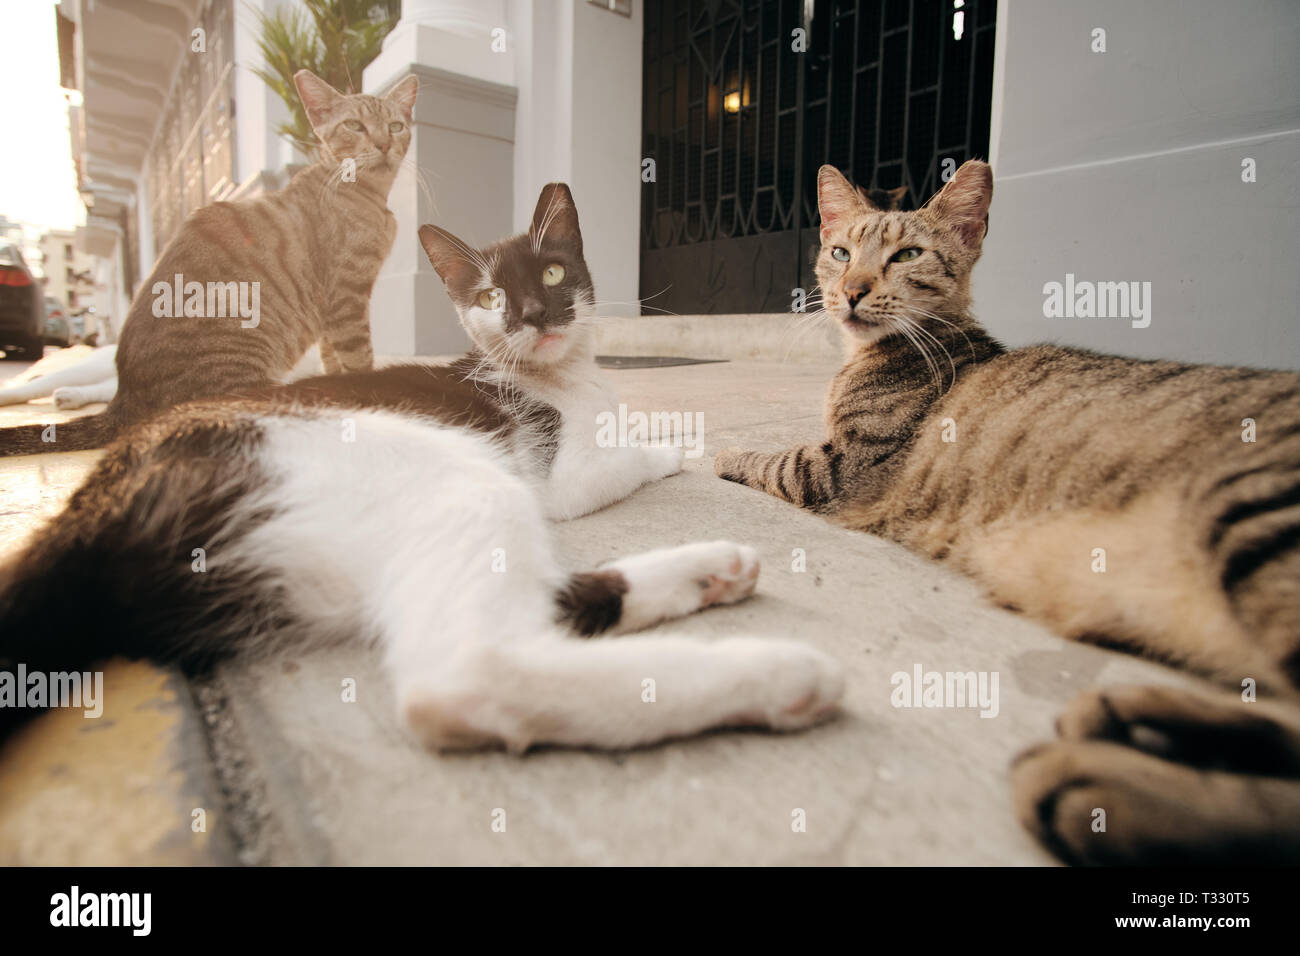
pixel 355 125
pixel 395 127
pixel 840 253
pixel 903 255
pixel 553 274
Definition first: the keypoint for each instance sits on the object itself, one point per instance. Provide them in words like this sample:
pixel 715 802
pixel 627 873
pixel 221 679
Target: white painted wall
pixel 258 110
pixel 579 121
pixel 571 73
pixel 1126 165
pixel 606 149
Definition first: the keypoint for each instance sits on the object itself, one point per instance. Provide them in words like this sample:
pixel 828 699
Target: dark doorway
pixel 737 122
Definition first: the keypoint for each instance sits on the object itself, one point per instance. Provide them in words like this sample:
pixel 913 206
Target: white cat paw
pixel 69 396
pixel 729 573
pixel 789 685
pixel 665 460
pixel 674 582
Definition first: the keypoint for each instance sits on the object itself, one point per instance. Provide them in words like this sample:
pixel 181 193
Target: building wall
pixel 605 148
pixel 55 263
pixel 579 121
pixel 1127 165
pixel 259 110
pixel 570 76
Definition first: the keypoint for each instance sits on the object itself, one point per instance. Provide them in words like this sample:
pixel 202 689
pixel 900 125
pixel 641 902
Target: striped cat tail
pixel 92 431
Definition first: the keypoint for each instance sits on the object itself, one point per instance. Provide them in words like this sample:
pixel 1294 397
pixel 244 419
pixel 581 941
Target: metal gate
pixel 745 99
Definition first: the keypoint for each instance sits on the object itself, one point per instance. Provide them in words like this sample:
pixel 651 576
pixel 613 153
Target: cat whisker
pixel 903 325
pixel 919 336
pixel 421 181
pixel 472 255
pixel 801 327
pixel 921 330
pixel 952 325
pixel 637 302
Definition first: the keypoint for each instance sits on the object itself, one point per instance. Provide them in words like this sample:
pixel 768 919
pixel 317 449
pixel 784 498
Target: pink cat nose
pixel 855 293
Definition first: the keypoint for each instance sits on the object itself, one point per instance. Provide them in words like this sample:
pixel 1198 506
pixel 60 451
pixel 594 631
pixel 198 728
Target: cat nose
pixel 855 293
pixel 533 312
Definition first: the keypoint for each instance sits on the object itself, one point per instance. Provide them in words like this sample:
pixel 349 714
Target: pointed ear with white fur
pixel 450 257
pixel 556 215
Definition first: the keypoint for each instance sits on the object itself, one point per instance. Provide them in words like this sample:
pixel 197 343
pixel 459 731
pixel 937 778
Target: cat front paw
pixel 790 686
pixel 69 396
pixel 726 464
pixel 665 460
pixel 729 575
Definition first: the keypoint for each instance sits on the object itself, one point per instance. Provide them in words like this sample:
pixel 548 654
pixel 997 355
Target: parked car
pixel 22 307
pixel 58 329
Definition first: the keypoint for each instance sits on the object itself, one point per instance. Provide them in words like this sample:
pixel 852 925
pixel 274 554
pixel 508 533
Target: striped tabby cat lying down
pixel 1014 465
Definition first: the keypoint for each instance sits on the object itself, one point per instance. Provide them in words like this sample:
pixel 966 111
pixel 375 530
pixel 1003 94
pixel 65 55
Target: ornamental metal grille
pixel 737 120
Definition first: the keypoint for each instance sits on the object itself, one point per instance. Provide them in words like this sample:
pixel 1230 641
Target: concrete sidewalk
pixel 303 777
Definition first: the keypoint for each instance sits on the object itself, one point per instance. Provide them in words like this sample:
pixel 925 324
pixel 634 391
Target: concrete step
pixel 776 337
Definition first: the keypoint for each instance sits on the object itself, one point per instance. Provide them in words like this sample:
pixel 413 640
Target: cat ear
pixel 963 204
pixel 451 258
pixel 837 199
pixel 556 217
pixel 317 96
pixel 403 95
pixel 896 197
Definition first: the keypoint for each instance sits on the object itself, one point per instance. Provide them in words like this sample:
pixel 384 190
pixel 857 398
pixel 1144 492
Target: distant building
pixel 69 276
pixel 155 135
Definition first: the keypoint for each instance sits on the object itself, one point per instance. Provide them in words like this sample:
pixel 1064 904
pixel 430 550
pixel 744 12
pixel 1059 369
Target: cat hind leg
pixel 632 593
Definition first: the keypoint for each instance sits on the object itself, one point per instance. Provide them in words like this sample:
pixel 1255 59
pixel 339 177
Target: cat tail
pixel 49 624
pixel 78 434
pixel 122 572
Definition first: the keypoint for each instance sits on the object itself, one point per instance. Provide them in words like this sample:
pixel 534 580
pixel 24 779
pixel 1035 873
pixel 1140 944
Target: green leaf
pixel 335 39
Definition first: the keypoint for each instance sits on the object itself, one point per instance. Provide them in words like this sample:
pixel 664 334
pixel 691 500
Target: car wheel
pixel 27 350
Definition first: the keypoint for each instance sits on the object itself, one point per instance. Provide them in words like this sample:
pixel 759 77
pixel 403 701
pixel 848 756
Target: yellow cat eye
pixel 553 274
pixel 487 299
pixel 396 127
pixel 904 255
pixel 354 125
pixel 840 254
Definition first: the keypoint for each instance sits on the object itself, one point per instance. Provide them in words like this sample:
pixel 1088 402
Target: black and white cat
pixel 409 505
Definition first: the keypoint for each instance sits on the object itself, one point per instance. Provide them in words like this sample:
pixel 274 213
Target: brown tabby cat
pixel 1014 465
pixel 273 276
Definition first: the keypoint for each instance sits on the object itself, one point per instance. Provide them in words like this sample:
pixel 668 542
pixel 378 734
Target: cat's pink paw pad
pixel 735 580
